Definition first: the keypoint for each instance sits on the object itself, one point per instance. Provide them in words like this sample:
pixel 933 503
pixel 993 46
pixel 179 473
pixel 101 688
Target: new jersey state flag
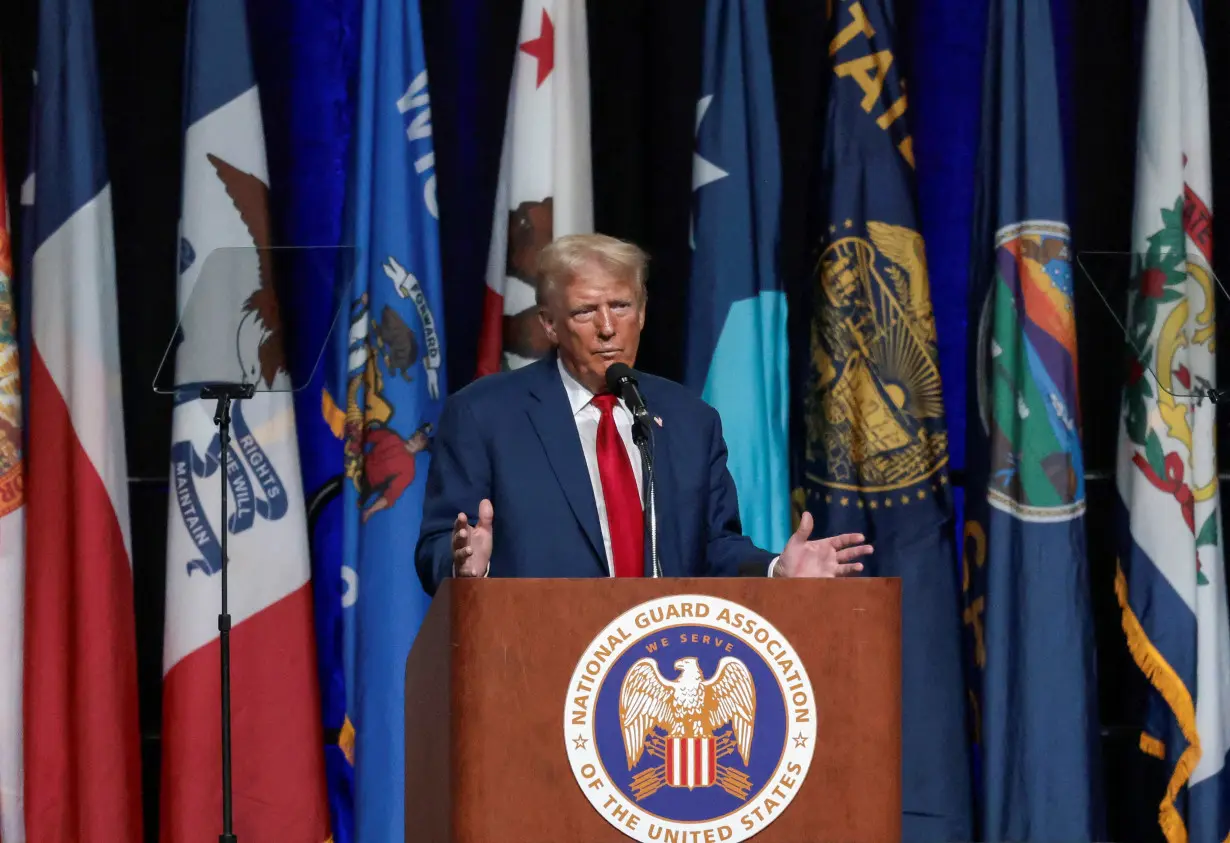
pixel 1171 582
pixel 278 764
pixel 736 334
pixel 384 399
pixel 546 188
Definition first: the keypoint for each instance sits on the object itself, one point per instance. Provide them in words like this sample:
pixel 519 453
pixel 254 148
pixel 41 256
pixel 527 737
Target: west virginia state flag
pixel 877 448
pixel 1171 581
pixel 1027 592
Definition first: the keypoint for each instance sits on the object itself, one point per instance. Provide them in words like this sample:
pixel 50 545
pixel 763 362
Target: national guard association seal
pixel 690 718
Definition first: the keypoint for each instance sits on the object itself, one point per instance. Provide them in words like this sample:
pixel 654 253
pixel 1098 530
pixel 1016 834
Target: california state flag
pixel 546 180
pixel 278 755
pixel 1172 584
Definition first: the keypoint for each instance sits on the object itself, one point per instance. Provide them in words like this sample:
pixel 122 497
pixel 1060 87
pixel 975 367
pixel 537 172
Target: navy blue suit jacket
pixel 511 438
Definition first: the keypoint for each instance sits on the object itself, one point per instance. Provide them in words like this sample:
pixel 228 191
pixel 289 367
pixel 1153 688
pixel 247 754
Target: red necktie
pixel 624 517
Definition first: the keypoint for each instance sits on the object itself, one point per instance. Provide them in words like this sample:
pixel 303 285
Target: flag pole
pixel 224 393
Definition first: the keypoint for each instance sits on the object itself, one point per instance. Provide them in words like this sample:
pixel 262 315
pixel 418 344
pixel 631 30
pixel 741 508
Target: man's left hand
pixel 832 557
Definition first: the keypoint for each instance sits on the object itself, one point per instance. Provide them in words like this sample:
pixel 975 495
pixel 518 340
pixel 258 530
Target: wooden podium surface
pixel 488 678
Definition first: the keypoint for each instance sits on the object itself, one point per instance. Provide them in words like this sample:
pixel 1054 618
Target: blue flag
pixel 876 453
pixel 310 103
pixel 1027 598
pixel 387 394
pixel 737 350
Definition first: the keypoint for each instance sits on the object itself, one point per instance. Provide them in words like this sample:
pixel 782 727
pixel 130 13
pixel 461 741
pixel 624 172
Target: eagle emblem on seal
pixel 705 720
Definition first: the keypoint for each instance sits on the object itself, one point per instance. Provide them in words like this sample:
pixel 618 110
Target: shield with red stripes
pixel 691 762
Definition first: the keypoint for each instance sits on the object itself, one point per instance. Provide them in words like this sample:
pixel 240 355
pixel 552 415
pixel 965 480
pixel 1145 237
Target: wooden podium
pixel 488 676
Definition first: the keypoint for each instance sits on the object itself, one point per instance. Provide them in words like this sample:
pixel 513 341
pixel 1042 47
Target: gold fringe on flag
pixel 1162 677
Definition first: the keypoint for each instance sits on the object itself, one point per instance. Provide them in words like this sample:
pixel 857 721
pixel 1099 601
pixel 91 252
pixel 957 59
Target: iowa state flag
pixel 1027 611
pixel 737 356
pixel 546 188
pixel 876 454
pixel 1171 581
pixel 278 766
pixel 82 737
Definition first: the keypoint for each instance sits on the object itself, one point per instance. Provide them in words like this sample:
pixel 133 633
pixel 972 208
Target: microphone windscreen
pixel 617 374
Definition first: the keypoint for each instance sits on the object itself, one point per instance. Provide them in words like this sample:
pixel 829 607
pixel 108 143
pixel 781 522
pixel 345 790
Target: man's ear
pixel 548 325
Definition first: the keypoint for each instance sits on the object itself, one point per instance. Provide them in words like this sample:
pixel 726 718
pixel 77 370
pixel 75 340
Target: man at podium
pixel 536 472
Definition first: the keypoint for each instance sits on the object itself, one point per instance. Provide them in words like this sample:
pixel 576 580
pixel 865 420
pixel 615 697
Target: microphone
pixel 621 379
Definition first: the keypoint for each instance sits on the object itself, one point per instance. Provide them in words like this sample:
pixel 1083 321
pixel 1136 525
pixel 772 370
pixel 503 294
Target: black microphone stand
pixel 224 393
pixel 640 436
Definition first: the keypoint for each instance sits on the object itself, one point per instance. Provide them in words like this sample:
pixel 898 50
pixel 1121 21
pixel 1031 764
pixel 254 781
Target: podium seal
pixel 690 718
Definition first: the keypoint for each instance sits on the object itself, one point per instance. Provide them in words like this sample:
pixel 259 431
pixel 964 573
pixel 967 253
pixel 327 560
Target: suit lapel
pixel 551 416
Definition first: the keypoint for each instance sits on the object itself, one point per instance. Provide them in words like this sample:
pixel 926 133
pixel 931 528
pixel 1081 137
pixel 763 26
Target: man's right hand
pixel 472 543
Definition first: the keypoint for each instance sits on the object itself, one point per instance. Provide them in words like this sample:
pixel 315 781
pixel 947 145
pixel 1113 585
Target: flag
pixel 876 450
pixel 736 338
pixel 1171 579
pixel 309 104
pixel 12 542
pixel 278 778
pixel 1027 603
pixel 545 189
pixel 385 398
pixel 82 738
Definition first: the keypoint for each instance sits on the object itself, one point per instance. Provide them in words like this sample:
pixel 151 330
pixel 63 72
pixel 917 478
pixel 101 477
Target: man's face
pixel 596 320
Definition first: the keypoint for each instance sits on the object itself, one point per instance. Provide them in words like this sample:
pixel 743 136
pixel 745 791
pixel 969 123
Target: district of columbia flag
pixel 278 764
pixel 737 356
pixel 82 736
pixel 12 542
pixel 545 190
pixel 1171 582
pixel 383 402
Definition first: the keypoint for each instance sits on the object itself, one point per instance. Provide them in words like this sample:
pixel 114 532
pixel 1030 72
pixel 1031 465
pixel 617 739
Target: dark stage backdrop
pixel 645 70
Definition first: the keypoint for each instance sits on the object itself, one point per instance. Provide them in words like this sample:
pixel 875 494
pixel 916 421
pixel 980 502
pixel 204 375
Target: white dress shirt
pixel 586 416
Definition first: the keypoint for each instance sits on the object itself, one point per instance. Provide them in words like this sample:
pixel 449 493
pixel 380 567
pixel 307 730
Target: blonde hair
pixel 565 257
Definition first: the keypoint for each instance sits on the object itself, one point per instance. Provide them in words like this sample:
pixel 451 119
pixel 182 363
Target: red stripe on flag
pixel 711 761
pixel 82 741
pixel 1198 222
pixel 277 765
pixel 491 336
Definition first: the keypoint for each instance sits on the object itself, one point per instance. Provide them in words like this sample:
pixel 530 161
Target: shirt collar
pixel 579 395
